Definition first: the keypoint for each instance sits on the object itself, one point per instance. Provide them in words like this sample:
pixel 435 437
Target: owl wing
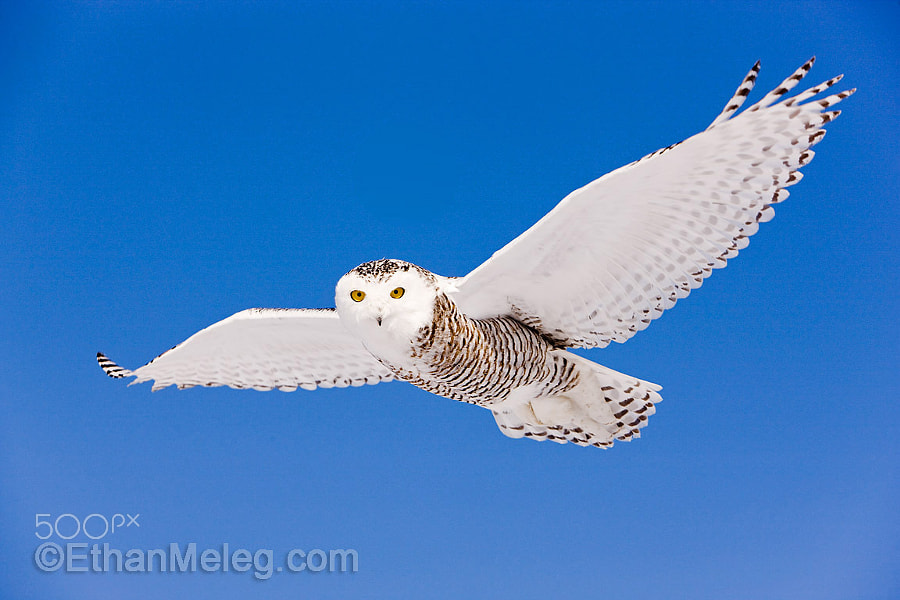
pixel 614 254
pixel 262 349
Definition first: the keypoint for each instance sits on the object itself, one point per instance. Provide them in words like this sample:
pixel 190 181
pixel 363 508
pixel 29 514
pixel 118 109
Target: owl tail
pixel 604 407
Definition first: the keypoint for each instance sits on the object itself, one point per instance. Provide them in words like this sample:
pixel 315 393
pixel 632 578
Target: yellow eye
pixel 397 292
pixel 357 295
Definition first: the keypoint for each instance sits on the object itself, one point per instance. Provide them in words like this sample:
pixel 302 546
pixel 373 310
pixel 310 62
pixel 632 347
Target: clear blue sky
pixel 164 166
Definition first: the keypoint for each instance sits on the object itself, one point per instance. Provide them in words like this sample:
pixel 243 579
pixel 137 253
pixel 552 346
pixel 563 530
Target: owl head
pixel 386 303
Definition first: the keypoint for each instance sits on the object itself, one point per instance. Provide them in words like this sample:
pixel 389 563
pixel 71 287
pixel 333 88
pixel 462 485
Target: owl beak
pixel 378 320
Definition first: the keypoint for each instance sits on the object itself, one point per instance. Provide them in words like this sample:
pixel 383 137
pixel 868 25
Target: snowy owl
pixel 599 267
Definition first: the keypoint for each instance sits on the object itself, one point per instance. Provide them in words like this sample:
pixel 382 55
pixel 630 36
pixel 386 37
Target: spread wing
pixel 263 349
pixel 613 255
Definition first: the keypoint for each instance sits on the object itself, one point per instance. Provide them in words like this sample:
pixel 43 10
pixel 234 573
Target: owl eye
pixel 357 295
pixel 397 292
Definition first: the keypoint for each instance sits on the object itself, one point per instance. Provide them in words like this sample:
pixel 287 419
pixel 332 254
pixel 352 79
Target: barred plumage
pixel 599 267
pixel 739 96
pixel 480 361
pixel 111 368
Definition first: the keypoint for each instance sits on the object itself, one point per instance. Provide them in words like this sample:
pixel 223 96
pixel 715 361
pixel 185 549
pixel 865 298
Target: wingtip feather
pixel 111 368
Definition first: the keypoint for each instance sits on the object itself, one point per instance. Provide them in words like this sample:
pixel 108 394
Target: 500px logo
pixel 100 525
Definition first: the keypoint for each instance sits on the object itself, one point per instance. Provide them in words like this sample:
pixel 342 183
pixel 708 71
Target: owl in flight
pixel 599 267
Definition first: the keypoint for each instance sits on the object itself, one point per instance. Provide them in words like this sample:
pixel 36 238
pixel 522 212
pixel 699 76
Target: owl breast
pixel 481 361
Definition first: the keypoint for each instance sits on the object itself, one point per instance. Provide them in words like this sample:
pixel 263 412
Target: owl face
pixel 386 303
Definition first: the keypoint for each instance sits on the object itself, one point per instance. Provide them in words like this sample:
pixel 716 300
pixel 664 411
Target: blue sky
pixel 163 166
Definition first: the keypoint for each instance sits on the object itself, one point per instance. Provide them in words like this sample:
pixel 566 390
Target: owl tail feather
pixel 604 407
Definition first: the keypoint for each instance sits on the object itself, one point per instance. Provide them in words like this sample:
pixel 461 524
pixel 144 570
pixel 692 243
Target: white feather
pixel 612 255
pixel 264 349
